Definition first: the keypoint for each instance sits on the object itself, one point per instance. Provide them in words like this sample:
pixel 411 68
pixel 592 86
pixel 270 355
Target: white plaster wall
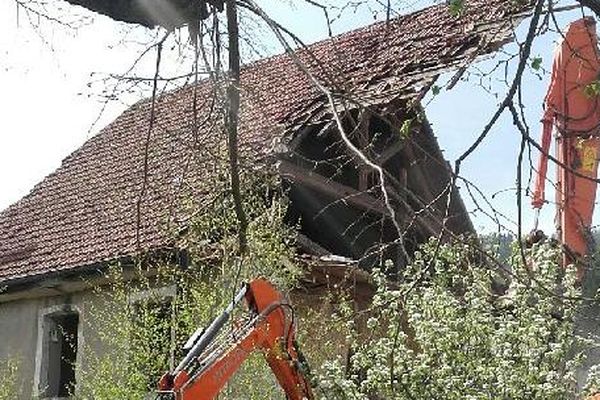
pixel 18 338
pixel 19 334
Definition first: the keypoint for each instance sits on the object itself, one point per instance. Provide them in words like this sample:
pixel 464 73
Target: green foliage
pixel 405 129
pixel 438 332
pixel 456 7
pixel 442 333
pixel 536 63
pixel 9 379
pixel 498 245
pixel 139 329
pixel 593 89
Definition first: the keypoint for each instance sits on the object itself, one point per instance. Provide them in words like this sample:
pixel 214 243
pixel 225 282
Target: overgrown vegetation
pixel 9 379
pixel 438 332
pixel 139 332
pixel 443 333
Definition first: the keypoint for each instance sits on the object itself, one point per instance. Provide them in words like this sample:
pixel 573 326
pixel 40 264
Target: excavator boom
pixel 210 363
pixel 572 111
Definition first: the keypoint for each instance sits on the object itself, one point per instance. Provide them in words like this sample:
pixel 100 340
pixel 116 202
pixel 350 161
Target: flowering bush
pixel 441 332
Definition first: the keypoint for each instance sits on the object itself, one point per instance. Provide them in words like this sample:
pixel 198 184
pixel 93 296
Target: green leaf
pixel 405 128
pixel 592 89
pixel 536 64
pixel 435 90
pixel 456 7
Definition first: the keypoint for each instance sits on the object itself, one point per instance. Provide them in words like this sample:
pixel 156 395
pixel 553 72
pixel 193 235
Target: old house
pixel 120 193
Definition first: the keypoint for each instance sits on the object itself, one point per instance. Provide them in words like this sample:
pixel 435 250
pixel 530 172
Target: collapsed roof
pixel 166 13
pixel 85 212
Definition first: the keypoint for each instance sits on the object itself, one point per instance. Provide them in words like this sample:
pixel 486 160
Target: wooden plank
pixel 307 244
pixel 338 191
pixel 364 171
pixel 390 152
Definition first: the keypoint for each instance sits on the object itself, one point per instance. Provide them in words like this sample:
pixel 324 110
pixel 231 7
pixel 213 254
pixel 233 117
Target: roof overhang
pixel 150 13
pixel 376 49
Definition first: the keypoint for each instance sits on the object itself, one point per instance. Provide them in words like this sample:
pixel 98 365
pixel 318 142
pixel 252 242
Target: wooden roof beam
pixel 338 191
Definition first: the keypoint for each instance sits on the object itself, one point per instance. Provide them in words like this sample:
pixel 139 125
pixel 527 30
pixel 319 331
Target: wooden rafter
pixel 338 191
pixel 314 248
pixel 364 171
pixel 390 152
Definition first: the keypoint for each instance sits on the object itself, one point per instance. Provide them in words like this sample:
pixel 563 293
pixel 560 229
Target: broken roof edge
pixel 21 282
pixel 139 108
pixel 316 268
pixel 522 10
pixel 169 14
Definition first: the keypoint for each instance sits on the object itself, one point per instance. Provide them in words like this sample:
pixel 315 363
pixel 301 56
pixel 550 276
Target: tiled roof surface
pixel 85 212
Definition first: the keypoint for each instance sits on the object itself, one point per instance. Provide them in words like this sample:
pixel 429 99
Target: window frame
pixel 168 293
pixel 42 347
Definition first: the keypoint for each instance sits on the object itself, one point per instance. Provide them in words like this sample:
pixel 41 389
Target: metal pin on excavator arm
pixel 209 364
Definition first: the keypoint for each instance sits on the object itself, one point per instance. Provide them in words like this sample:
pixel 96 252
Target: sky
pixel 50 81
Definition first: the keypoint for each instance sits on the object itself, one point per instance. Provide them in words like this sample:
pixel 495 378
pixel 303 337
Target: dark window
pixel 152 337
pixel 58 369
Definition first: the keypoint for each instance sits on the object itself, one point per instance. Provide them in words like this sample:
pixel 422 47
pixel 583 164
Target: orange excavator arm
pixel 209 364
pixel 551 103
pixel 539 196
pixel 572 111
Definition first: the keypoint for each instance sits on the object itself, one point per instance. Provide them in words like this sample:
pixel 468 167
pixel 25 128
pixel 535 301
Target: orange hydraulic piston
pixel 272 333
pixel 571 106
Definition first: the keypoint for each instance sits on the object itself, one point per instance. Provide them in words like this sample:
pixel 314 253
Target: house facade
pixel 125 191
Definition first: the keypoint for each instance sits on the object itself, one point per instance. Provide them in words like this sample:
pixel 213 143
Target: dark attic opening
pixel 337 198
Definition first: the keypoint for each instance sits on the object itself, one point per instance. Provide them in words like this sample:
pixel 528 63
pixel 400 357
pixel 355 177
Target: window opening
pixel 153 333
pixel 58 369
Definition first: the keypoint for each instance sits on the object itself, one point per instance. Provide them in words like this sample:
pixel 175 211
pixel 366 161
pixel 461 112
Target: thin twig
pixel 142 194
